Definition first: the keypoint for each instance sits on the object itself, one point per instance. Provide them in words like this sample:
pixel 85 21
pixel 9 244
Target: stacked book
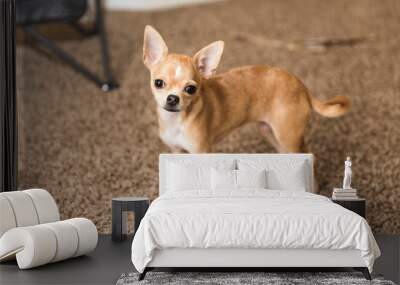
pixel 344 194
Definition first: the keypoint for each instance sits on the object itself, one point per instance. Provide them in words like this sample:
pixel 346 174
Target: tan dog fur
pixel 277 100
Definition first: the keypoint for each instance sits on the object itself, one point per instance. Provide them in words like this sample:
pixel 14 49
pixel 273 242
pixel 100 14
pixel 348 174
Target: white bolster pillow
pixel 26 208
pixel 7 219
pixel 87 235
pixel 40 244
pixel 45 206
pixel 24 211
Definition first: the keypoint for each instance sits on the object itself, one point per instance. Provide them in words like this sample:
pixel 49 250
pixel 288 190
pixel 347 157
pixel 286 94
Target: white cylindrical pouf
pixel 33 246
pixel 87 234
pixel 45 205
pixel 67 239
pixel 7 218
pixel 23 208
pixel 41 244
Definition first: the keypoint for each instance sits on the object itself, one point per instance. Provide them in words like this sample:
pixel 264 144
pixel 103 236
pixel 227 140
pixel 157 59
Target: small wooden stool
pixel 120 208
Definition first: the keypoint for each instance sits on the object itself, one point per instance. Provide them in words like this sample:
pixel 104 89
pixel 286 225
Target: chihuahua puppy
pixel 197 108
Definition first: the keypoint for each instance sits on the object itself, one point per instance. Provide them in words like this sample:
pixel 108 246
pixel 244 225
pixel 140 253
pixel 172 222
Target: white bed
pixel 206 226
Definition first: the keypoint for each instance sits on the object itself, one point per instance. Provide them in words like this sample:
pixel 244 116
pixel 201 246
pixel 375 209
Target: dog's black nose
pixel 172 100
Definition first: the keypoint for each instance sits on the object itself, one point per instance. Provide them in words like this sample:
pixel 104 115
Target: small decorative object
pixel 347 174
pixel 346 193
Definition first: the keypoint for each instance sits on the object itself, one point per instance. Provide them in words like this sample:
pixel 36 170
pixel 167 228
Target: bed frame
pixel 246 258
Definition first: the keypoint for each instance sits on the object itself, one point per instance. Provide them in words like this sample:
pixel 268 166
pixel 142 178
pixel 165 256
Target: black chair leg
pixel 105 57
pixel 364 271
pixel 143 274
pixel 107 84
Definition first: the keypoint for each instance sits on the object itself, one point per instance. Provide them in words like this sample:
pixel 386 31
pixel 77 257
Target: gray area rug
pixel 225 278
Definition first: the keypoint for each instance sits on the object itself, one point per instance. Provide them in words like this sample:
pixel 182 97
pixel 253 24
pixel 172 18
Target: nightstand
pixel 120 208
pixel 358 206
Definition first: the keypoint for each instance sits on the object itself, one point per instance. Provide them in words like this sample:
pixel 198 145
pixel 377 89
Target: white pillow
pixel 223 179
pixel 226 179
pixel 251 178
pixel 281 174
pixel 181 178
pixel 291 180
pixel 193 174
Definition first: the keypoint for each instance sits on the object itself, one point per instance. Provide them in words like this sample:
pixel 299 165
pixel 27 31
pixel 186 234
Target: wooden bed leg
pixel 143 274
pixel 364 271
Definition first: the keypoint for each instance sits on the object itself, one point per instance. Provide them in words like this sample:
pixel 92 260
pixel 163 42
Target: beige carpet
pixel 86 146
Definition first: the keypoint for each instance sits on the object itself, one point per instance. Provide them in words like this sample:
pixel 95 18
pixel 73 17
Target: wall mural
pixel 86 146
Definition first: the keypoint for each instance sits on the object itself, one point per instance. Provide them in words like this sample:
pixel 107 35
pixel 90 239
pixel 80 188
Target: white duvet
pixel 250 219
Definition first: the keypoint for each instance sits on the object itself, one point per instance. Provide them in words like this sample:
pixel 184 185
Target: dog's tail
pixel 334 107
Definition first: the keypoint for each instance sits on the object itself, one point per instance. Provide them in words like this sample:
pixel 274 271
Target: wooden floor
pixel 110 260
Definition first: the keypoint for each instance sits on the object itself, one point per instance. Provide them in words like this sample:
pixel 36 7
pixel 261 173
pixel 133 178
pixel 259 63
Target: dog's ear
pixel 154 48
pixel 207 59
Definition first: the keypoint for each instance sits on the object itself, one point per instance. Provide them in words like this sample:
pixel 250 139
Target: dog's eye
pixel 190 89
pixel 159 83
